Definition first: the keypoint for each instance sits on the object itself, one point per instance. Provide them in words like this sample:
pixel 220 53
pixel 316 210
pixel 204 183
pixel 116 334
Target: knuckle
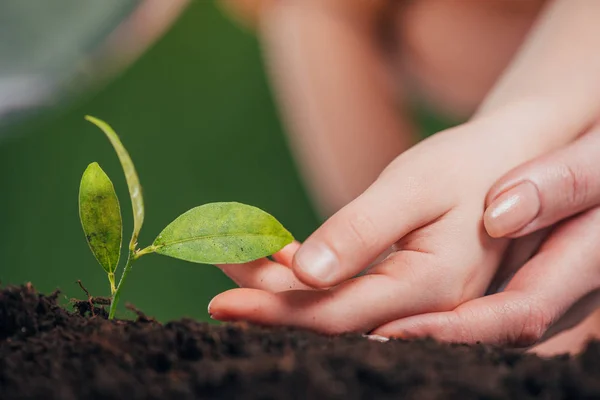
pixel 394 175
pixel 361 230
pixel 575 185
pixel 534 322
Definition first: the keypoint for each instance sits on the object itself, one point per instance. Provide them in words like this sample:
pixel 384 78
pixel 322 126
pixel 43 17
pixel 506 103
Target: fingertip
pixel 217 305
pixel 261 262
pixel 286 255
pixel 239 304
pixel 490 225
pixel 512 211
pixel 316 265
pixel 440 326
pixel 400 329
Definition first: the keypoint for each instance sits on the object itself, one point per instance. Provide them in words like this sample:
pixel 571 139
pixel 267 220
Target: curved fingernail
pixel 212 314
pixel 512 210
pixel 317 261
pixel 377 338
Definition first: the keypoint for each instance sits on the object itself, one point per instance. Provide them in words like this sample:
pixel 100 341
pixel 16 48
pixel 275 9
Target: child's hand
pixel 428 203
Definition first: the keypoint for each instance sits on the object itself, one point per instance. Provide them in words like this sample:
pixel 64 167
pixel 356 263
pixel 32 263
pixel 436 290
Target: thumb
pixel 546 190
pixel 357 234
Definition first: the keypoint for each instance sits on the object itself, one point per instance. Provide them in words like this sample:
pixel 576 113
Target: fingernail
pixel 512 210
pixel 377 338
pixel 318 261
pixel 218 317
pixel 213 315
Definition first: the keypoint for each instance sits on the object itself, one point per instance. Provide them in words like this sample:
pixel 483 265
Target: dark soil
pixel 49 353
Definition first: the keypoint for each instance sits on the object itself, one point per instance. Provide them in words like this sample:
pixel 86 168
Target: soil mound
pixel 47 352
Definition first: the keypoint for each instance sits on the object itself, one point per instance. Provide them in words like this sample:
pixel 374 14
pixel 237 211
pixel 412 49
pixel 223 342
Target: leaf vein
pixel 215 236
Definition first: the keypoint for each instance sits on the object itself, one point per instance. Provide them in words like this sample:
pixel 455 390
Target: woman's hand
pixel 552 205
pixel 546 190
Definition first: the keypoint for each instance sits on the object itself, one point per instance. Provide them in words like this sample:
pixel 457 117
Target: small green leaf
pixel 133 182
pixel 222 233
pixel 100 216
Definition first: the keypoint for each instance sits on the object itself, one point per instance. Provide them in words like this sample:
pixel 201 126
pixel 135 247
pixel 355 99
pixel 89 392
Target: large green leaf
pixel 222 233
pixel 133 182
pixel 100 216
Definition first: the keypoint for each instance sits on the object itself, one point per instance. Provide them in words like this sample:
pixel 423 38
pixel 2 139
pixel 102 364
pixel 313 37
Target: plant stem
pixel 111 279
pixel 115 299
pixel 131 258
pixel 145 250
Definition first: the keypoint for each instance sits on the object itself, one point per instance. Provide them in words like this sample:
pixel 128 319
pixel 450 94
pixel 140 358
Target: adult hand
pixel 546 190
pixel 557 283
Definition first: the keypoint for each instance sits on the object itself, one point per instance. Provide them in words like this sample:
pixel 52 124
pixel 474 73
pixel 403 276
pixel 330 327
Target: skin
pixel 527 78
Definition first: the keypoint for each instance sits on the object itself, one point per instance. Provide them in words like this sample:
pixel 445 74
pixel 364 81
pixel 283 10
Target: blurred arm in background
pixel 346 124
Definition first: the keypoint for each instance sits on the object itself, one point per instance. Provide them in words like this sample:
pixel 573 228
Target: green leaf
pixel 133 182
pixel 222 233
pixel 100 216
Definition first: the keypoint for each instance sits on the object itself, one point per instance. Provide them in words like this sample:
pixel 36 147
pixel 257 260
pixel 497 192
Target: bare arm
pixel 335 93
pixel 556 73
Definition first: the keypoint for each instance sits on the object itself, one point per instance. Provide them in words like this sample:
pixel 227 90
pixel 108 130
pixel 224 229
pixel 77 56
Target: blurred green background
pixel 197 116
pixel 199 121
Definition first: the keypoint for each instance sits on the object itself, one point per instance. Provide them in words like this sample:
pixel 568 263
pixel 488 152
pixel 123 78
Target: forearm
pixel 550 91
pixel 336 98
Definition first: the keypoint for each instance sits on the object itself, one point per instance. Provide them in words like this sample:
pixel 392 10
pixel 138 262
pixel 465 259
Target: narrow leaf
pixel 222 233
pixel 100 216
pixel 133 182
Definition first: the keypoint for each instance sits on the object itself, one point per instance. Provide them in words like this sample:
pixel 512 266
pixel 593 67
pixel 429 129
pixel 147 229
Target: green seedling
pixel 215 233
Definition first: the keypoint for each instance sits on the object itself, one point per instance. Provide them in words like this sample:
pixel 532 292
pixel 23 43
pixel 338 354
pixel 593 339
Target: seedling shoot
pixel 214 233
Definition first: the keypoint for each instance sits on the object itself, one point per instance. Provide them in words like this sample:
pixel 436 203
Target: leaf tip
pixel 96 169
pixel 290 238
pixel 93 165
pixel 98 122
pixel 90 118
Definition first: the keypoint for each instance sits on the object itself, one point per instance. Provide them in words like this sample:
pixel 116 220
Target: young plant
pixel 215 233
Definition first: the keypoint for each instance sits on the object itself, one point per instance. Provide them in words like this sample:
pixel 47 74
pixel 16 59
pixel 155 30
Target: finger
pixel 576 314
pixel 573 340
pixel 546 190
pixel 357 305
pixel 565 270
pixel 262 274
pixel 286 255
pixel 356 235
pixel 517 254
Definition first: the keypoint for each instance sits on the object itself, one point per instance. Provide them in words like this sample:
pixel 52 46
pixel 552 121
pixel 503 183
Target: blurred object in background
pixel 245 12
pixel 52 50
